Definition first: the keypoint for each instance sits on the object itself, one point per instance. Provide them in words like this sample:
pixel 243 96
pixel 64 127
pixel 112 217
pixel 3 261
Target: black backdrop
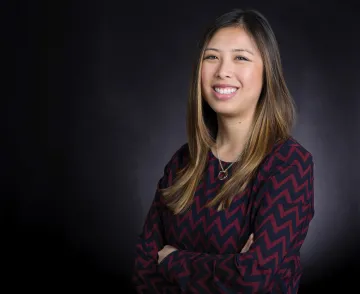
pixel 99 108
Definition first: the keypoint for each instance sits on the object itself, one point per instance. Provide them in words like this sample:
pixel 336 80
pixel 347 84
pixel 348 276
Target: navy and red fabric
pixel 277 206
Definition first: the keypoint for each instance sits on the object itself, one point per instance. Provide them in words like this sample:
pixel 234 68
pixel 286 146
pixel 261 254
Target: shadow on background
pixel 88 133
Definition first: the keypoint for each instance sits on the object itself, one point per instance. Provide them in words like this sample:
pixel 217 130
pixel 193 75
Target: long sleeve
pixel 146 279
pixel 285 208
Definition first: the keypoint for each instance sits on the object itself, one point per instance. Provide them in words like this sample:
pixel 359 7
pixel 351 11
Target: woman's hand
pixel 248 244
pixel 165 252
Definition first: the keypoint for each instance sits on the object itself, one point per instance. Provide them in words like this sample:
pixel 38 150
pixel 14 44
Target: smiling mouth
pixel 227 90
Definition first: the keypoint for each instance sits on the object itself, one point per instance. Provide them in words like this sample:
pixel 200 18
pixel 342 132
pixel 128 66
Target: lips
pixel 224 86
pixel 224 93
pixel 225 90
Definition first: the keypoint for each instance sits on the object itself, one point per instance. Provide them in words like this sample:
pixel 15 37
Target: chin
pixel 226 111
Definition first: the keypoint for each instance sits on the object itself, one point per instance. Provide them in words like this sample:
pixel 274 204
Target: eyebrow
pixel 233 50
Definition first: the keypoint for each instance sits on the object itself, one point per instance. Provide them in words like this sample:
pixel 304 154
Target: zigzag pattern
pixel 277 208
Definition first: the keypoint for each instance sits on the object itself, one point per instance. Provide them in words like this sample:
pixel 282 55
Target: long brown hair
pixel 273 119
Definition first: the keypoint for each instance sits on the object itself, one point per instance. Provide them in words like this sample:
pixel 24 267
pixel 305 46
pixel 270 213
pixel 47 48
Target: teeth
pixel 225 90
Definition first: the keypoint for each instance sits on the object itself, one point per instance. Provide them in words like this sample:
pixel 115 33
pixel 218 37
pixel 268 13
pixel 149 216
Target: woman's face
pixel 232 73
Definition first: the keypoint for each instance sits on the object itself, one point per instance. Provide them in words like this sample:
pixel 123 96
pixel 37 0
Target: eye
pixel 242 58
pixel 211 57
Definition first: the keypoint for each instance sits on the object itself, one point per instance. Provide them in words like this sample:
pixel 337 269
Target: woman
pixel 234 204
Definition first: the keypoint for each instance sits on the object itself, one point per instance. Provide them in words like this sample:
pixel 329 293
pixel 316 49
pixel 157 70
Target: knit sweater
pixel 276 206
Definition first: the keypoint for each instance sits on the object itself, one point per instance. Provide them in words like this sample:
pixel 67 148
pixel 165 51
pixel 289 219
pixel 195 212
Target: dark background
pixel 99 108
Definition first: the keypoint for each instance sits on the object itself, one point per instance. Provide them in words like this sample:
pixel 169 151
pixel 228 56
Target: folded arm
pixel 280 226
pixel 146 278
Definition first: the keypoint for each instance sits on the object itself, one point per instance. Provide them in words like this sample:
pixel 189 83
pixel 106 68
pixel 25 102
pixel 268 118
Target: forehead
pixel 227 39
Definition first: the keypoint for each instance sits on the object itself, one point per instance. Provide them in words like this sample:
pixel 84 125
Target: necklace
pixel 223 174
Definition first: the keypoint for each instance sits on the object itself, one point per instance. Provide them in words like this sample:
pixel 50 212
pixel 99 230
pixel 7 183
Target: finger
pixel 248 244
pixel 246 247
pixel 250 240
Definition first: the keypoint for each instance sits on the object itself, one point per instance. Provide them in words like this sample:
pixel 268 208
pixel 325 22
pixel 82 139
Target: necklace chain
pixel 223 174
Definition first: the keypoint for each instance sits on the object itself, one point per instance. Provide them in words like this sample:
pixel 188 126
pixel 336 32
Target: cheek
pixel 203 73
pixel 252 78
pixel 205 77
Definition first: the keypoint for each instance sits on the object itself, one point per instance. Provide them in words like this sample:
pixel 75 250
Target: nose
pixel 224 70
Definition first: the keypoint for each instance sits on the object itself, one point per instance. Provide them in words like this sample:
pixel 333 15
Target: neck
pixel 232 135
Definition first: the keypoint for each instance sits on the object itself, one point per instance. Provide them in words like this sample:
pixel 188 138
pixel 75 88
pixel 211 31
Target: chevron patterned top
pixel 277 206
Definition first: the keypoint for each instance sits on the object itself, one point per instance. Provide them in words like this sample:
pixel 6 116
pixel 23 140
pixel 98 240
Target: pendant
pixel 223 174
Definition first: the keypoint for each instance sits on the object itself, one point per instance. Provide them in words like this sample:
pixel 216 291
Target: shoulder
pixel 289 154
pixel 179 157
pixel 182 152
pixel 284 184
pixel 288 172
